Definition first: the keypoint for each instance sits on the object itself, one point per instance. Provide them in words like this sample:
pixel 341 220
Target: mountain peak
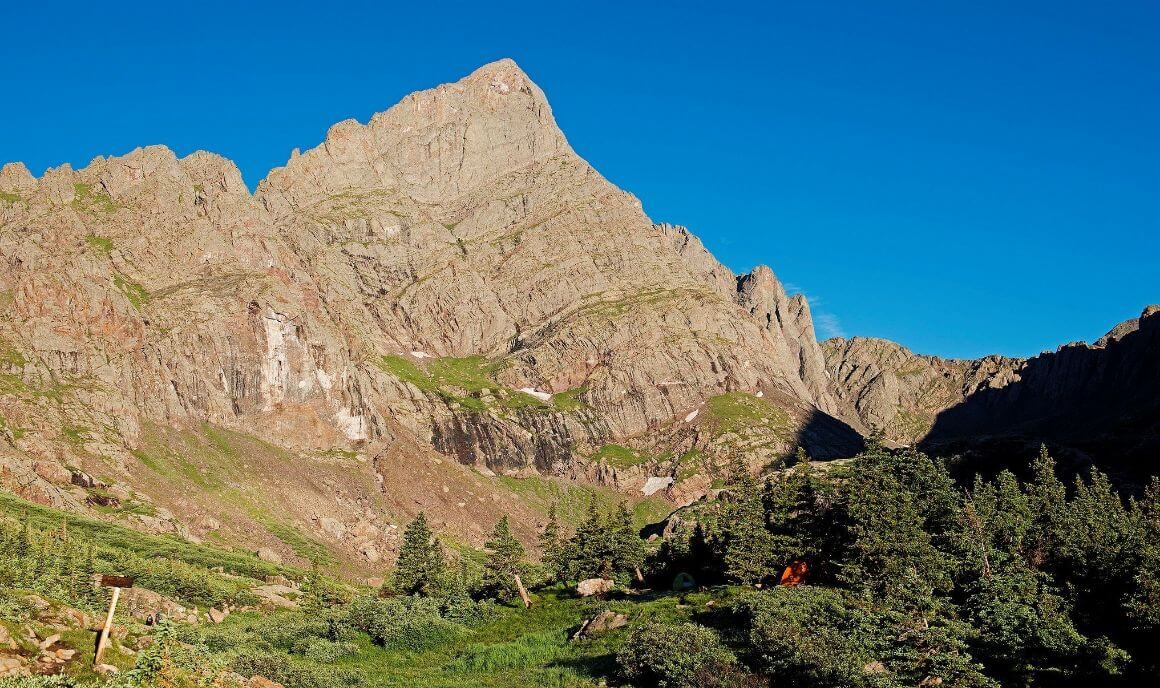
pixel 433 145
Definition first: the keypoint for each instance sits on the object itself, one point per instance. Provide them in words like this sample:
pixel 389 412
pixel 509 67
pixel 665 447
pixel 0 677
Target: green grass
pixel 10 356
pixel 569 400
pixel 513 648
pixel 735 411
pixel 137 294
pixel 5 425
pixel 86 198
pixel 100 243
pixel 75 435
pixel 119 537
pixel 572 499
pixel 618 456
pixel 407 372
pixel 12 384
pixel 469 373
pixel 469 382
pixel 9 198
pixel 690 464
pixel 304 546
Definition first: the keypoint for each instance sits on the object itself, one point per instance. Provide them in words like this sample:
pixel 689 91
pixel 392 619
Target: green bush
pixel 812 637
pixel 683 655
pixel 326 651
pixel 410 623
pixel 281 669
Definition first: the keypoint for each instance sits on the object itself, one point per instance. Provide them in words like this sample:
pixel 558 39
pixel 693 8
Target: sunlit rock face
pixel 448 280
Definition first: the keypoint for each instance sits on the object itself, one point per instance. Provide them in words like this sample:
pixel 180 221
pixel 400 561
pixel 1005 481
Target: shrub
pixel 673 656
pixel 327 651
pixel 812 636
pixel 412 623
pixel 280 669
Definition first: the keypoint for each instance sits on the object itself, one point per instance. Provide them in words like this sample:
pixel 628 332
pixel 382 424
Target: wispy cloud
pixel 828 325
pixel 791 288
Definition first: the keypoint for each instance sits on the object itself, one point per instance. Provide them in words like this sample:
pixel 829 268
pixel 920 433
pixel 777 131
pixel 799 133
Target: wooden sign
pixel 117 581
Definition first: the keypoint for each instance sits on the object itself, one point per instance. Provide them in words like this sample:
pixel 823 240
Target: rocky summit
pixel 435 310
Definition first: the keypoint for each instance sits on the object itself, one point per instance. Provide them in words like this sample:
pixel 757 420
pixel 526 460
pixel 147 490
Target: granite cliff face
pixel 1098 401
pixel 442 294
pixel 437 310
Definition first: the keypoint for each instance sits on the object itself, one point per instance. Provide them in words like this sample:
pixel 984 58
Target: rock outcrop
pixel 422 302
pixel 447 281
pixel 1095 399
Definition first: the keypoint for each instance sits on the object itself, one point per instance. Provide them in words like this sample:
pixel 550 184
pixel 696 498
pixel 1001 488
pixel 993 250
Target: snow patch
pixel 692 414
pixel 533 392
pixel 760 394
pixel 654 485
pixel 421 354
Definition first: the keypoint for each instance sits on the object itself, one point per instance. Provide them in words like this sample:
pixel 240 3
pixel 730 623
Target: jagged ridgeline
pixel 443 295
pixel 444 309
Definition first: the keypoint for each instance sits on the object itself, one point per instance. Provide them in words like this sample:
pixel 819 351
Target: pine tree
pixel 892 555
pixel 421 566
pixel 553 546
pixel 458 604
pixel 503 562
pixel 748 546
pixel 590 548
pixel 627 549
pixel 1143 599
pixel 1047 499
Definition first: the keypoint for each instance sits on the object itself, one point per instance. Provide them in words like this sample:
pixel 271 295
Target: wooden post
pixel 116 583
pixel 523 592
pixel 108 627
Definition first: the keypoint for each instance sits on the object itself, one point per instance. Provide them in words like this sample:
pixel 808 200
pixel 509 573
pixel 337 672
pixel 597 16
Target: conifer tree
pixel 421 565
pixel 891 556
pixel 1047 499
pixel 503 562
pixel 627 549
pixel 748 546
pixel 590 547
pixel 554 548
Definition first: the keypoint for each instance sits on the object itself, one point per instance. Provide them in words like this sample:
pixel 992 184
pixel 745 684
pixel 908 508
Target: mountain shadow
pixel 1091 404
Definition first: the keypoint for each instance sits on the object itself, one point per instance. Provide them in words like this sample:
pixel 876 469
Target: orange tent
pixel 794 574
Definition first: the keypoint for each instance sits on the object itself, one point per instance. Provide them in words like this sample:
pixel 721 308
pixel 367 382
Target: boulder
pixel 603 622
pixel 13 666
pixel 594 586
pixel 52 471
pixel 267 554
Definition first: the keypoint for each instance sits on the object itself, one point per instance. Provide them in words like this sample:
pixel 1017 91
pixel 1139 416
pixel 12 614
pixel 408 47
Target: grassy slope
pixel 122 538
pixel 519 648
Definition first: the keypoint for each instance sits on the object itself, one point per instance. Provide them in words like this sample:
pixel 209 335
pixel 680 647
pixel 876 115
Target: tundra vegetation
pixel 902 577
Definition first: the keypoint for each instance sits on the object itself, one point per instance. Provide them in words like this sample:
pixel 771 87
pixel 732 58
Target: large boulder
pixel 267 554
pixel 603 622
pixel 594 586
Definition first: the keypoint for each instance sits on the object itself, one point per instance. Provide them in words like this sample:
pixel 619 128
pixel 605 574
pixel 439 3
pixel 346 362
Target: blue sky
pixel 962 177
